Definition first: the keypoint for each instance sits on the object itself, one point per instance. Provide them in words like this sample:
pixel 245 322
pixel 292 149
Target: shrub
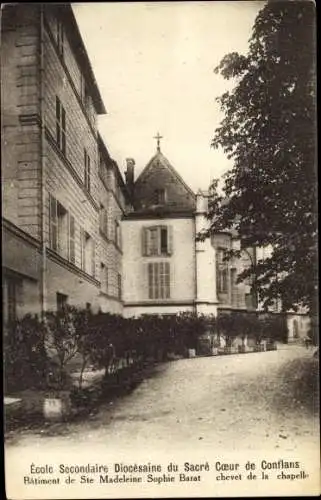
pixel 25 359
pixel 227 326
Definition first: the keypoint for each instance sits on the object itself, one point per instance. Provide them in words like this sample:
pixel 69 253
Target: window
pixel 104 277
pixel 250 301
pixel 237 293
pixel 60 126
pixel 159 280
pixel 101 163
pixel 87 253
pixel 60 37
pixel 221 271
pixel 160 196
pixel 87 170
pixel 11 294
pixel 58 216
pixel 119 283
pixel 117 234
pixel 62 301
pixel 157 240
pixel 222 280
pixel 103 220
pixel 62 219
pixel 53 223
pixel 72 252
pixel 85 96
pixel 62 230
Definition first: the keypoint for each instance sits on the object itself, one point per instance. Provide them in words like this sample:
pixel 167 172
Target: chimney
pixel 129 175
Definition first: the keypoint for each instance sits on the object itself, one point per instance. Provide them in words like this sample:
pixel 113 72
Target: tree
pixel 269 132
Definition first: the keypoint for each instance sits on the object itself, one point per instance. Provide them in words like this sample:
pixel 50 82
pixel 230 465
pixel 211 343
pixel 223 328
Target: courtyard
pixel 236 402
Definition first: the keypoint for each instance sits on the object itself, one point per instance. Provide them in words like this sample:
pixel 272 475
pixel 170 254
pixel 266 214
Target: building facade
pixel 63 196
pixel 166 270
pixel 73 231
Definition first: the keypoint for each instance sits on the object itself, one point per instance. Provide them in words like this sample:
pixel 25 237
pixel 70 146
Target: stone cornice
pixel 12 228
pixel 71 267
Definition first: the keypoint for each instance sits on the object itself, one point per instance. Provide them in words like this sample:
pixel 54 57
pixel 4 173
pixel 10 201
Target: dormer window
pixel 160 196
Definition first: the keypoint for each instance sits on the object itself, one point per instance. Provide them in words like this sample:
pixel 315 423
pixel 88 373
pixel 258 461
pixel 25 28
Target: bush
pixel 228 327
pixel 25 358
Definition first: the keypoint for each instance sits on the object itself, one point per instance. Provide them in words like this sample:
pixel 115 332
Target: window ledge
pixel 71 266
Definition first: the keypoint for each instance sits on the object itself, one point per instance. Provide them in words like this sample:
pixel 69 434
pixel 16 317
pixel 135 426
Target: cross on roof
pixel 158 137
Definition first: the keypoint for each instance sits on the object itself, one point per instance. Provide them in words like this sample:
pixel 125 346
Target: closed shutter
pixel 105 222
pixel 58 127
pixel 167 281
pixel 150 281
pixel 82 248
pixel 144 241
pixel 53 223
pixel 170 240
pixel 72 238
pixel 93 258
pixel 63 130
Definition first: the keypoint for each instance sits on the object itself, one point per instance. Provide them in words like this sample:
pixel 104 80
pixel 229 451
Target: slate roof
pixel 160 174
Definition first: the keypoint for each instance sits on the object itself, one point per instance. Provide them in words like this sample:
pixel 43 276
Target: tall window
pixel 12 299
pixel 60 126
pixel 222 271
pixel 87 170
pixel 104 277
pixel 160 196
pixel 119 287
pixel 103 220
pixel 87 253
pixel 159 280
pixel 157 240
pixel 117 233
pixel 60 37
pixel 62 230
pixel 237 295
pixel 62 301
pixel 85 95
pixel 12 285
pixel 62 218
pixel 53 223
pixel 58 216
pixel 72 252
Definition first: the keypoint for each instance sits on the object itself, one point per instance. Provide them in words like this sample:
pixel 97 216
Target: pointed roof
pixel 160 175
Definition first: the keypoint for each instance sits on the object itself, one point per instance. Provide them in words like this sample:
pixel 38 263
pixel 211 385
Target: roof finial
pixel 158 137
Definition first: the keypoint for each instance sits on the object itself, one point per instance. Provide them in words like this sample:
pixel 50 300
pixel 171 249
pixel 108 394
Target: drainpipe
pixel 43 291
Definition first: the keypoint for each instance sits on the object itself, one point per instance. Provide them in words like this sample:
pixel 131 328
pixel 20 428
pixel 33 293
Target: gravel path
pixel 259 400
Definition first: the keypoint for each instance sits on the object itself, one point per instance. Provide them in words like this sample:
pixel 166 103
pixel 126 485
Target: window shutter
pixel 89 173
pixel 58 131
pixel 170 239
pixel 107 278
pixel 150 280
pixel 144 241
pixel 93 258
pixel 72 238
pixel 53 222
pixel 167 280
pixel 105 217
pixel 63 130
pixel 82 248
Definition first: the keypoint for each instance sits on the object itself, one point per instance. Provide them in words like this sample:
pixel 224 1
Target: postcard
pixel 159 225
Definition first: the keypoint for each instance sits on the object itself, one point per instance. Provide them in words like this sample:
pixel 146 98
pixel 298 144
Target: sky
pixel 154 64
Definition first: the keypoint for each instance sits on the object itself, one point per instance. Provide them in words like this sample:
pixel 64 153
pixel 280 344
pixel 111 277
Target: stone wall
pixel 20 157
